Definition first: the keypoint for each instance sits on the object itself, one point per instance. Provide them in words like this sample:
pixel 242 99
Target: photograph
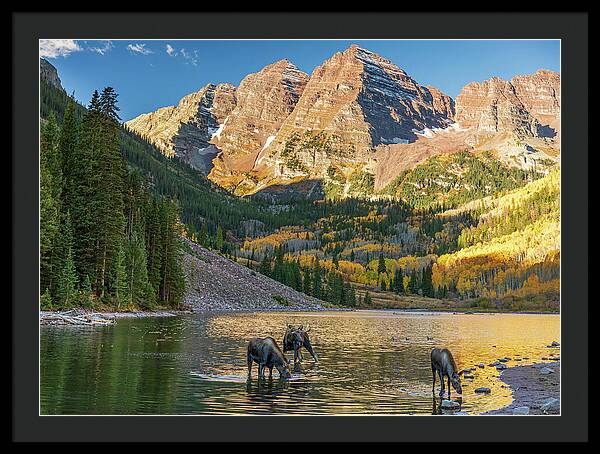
pixel 299 227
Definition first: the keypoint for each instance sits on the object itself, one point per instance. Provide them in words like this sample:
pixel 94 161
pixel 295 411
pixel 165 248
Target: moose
pixel 295 338
pixel 266 353
pixel 443 364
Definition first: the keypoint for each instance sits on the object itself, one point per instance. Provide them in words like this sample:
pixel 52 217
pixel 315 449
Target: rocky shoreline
pixel 536 390
pixel 83 317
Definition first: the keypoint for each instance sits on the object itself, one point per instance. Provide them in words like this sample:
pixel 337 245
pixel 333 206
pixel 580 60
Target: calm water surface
pixel 371 362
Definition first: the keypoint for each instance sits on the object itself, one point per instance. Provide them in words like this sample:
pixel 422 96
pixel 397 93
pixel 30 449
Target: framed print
pixel 357 230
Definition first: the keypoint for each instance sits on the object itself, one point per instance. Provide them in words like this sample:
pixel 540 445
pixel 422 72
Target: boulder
pixel 552 405
pixel 546 371
pixel 483 390
pixel 521 410
pixel 449 404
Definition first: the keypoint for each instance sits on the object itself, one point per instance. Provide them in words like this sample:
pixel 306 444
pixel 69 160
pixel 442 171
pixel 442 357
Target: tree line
pixel 104 238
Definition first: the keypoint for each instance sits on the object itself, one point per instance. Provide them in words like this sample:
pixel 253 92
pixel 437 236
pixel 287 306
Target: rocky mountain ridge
pixel 49 74
pixel 186 130
pixel 264 100
pixel 357 112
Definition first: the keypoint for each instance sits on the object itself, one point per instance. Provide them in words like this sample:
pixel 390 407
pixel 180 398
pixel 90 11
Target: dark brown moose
pixel 295 338
pixel 266 353
pixel 443 364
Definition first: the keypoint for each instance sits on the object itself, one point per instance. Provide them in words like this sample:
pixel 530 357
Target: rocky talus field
pixel 215 283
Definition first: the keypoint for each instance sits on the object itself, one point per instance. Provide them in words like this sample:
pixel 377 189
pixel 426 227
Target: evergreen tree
pixel 50 191
pixel 426 282
pixel 66 289
pixel 121 279
pixel 317 284
pixel 68 150
pixel 139 291
pixel 203 240
pixel 265 265
pixel 153 243
pixel 46 301
pixel 85 293
pixel 398 281
pixel 306 282
pixel 219 242
pixel 381 268
pixel 350 295
pixel 172 286
pixel 413 284
pixel 108 191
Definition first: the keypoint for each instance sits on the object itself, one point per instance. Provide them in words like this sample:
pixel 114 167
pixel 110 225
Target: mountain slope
pixel 514 248
pixel 353 102
pixel 185 130
pixel 264 101
pixel 216 283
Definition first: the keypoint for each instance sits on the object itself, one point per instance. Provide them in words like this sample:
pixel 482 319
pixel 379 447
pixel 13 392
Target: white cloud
pixel 139 49
pixel 172 52
pixel 53 48
pixel 191 57
pixel 102 50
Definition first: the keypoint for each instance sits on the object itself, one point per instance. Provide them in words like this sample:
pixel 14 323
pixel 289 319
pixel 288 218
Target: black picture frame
pixel 571 28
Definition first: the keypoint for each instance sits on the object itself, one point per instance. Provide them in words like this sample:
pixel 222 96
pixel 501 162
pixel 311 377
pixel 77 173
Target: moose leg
pixel 261 370
pixel 449 387
pixel 433 386
pixel 249 366
pixel 308 347
pixel 271 372
pixel 442 391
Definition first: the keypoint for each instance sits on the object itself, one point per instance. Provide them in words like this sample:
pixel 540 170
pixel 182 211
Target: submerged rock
pixel 449 404
pixel 552 405
pixel 521 410
pixel 546 371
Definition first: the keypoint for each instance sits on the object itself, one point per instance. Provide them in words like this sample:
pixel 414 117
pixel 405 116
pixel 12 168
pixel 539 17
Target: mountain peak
pixel 48 73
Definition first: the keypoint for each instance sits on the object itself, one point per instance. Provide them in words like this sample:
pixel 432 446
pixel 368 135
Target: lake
pixel 370 362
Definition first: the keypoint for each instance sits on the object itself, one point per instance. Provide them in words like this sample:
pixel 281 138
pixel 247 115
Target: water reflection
pixel 372 362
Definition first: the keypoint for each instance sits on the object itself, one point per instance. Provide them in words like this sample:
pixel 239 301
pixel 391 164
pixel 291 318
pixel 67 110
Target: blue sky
pixel 152 74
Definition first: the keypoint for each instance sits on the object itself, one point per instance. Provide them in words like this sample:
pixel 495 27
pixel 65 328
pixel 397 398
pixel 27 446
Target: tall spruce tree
pixel 50 191
pixel 66 281
pixel 317 284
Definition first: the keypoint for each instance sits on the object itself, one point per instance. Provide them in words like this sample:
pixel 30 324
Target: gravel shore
pixel 533 388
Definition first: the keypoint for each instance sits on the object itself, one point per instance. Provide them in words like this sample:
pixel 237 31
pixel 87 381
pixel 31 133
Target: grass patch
pixel 281 300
